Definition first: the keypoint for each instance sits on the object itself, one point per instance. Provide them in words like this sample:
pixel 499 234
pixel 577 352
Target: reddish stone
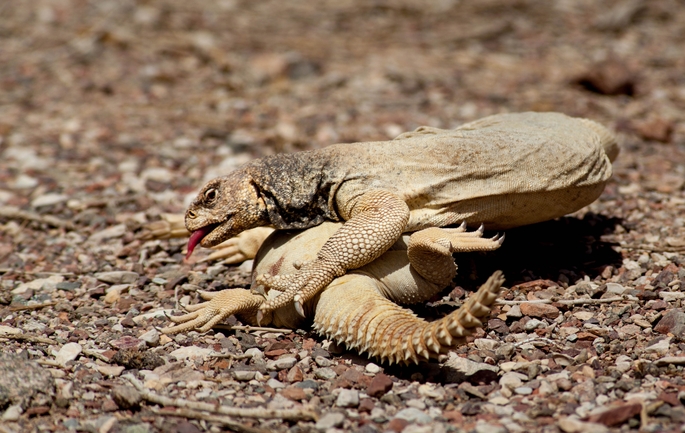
pixel 308 344
pixel 127 342
pixel 109 406
pixel 294 393
pixel 380 384
pixel 37 411
pixel 366 405
pixel 670 398
pixel 539 310
pixel 586 336
pixel 454 417
pixel 283 375
pixel 295 375
pixel 397 424
pixel 275 353
pixel 673 322
pixel 616 415
pixel 339 369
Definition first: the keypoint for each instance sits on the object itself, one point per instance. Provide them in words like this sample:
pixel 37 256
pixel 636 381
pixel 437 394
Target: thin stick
pixel 32 307
pixel 248 328
pixel 228 422
pixel 582 301
pixel 29 338
pixel 12 212
pixel 261 413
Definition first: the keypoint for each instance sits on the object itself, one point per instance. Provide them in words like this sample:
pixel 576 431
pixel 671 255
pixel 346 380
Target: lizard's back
pixel 505 170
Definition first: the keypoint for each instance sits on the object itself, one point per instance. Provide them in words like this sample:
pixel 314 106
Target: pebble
pixel 151 337
pixel 243 375
pixel 372 368
pixel 523 390
pixel 191 352
pixel 322 362
pixel 49 199
pixel 533 324
pixel 486 343
pixel 117 277
pixel 275 384
pixel 463 369
pixel 417 403
pixel 68 352
pixel 512 380
pixel 284 363
pixel 325 374
pixel 330 420
pixel 546 311
pixel 412 414
pixel 12 413
pixel 483 427
pixel 661 347
pixel 379 386
pixel 348 398
pixel 515 312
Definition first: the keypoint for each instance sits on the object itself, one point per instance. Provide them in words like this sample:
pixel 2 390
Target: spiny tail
pixel 368 322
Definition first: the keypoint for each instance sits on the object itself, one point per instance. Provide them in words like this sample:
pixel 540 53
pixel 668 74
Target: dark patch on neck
pixel 297 189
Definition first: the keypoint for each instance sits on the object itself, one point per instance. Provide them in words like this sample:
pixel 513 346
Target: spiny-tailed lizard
pixel 359 309
pixel 502 171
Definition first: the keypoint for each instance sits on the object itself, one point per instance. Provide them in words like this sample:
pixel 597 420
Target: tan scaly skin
pixel 360 309
pixel 503 171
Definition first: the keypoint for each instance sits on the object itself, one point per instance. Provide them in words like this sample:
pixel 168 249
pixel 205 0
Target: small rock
pixel 546 311
pixel 348 398
pixel 486 343
pixel 330 420
pixel 294 393
pixel 671 296
pixel 483 427
pixel 523 390
pixel 372 368
pixel 151 337
pixel 380 384
pixel 325 374
pixel 673 322
pixel 295 375
pixel 68 352
pixel 617 415
pixel 515 312
pixel 675 360
pixel 49 199
pixel 243 375
pixel 127 343
pixel 533 324
pixel 285 362
pixel 615 289
pixel 661 347
pixel 417 403
pixel 275 384
pixel 12 413
pixel 572 424
pixel 322 362
pixel 512 380
pixel 126 397
pixel 117 277
pixel 110 370
pixel 191 352
pixel 412 414
pixel 462 369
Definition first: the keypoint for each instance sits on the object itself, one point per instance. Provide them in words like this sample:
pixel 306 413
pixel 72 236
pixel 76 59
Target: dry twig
pixel 12 212
pixel 28 338
pixel 32 307
pixel 248 328
pixel 582 301
pixel 260 413
pixel 194 414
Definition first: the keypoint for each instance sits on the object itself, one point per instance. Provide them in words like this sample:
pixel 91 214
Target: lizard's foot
pixel 297 288
pixel 169 226
pixel 202 317
pixel 430 250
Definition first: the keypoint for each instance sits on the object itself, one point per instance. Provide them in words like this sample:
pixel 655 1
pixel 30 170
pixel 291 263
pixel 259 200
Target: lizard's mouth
pixel 197 237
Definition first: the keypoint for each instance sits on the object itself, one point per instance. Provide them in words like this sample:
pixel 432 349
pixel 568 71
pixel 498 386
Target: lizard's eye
pixel 210 195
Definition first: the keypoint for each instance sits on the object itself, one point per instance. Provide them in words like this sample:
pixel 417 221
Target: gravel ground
pixel 114 112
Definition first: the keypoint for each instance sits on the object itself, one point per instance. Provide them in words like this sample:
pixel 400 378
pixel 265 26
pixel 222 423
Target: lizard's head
pixel 225 207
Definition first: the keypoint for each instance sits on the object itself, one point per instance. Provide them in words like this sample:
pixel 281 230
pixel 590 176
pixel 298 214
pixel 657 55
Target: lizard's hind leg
pixel 430 250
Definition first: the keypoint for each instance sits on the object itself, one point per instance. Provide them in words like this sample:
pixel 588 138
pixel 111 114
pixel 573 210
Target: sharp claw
pixel 481 229
pixel 463 225
pixel 260 317
pixel 298 308
pixel 501 239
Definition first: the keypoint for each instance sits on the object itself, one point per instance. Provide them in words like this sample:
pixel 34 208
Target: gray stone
pixel 412 414
pixel 348 398
pixel 151 337
pixel 275 384
pixel 325 374
pixel 117 277
pixel 330 420
pixel 243 375
pixel 126 397
pixel 322 362
pixel 12 413
pixel 285 363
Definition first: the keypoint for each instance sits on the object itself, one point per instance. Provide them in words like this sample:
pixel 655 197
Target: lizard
pixel 504 171
pixel 361 308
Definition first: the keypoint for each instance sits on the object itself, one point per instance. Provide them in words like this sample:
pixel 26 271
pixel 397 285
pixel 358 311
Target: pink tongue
pixel 196 237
